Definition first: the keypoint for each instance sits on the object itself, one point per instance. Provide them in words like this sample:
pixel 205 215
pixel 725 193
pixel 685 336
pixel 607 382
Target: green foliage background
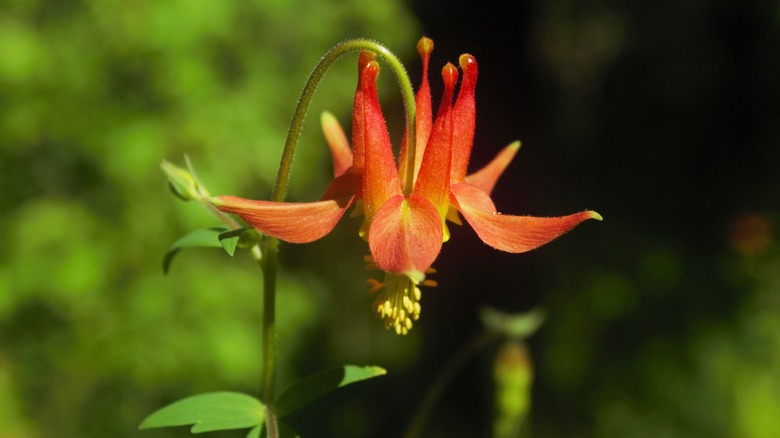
pixel 663 320
pixel 93 95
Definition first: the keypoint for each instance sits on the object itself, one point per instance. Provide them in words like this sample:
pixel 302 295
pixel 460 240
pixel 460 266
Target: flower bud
pixel 181 182
pixel 513 376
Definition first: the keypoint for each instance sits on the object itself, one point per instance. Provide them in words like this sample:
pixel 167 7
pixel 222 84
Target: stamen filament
pixel 398 300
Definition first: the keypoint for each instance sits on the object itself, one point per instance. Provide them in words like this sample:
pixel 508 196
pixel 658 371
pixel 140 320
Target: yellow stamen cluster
pixel 398 298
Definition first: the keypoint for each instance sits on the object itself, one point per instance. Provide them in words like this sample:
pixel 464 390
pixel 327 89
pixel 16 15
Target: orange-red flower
pixel 405 215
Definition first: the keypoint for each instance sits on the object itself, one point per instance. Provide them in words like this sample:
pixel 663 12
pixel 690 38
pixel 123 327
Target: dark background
pixel 662 116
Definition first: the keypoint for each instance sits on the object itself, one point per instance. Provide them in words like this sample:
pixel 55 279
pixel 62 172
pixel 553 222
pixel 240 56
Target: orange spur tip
pixel 371 69
pixel 467 61
pixel 366 56
pixel 425 46
pixel 450 75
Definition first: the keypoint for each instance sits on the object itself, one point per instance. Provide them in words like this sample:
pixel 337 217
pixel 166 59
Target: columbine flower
pixel 405 224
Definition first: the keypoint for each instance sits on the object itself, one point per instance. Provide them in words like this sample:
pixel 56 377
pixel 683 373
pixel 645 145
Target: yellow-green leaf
pixel 209 412
pixel 240 238
pixel 200 238
pixel 305 391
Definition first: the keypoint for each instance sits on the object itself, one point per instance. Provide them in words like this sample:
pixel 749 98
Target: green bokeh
pixel 93 96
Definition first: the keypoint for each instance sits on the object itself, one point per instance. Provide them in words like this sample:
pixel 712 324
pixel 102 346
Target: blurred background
pixel 664 320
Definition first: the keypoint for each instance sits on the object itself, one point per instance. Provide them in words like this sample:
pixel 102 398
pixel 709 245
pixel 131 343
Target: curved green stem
pixel 270 256
pixel 407 93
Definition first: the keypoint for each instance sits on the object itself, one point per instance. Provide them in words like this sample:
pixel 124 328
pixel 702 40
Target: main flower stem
pixel 270 254
pixel 269 265
pixel 407 94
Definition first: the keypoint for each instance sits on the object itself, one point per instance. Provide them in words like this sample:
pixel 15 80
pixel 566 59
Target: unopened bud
pixel 181 182
pixel 513 374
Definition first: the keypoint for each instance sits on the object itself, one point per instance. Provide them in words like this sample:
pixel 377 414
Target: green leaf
pixel 201 238
pixel 209 412
pixel 255 432
pixel 305 391
pixel 229 241
pixel 241 238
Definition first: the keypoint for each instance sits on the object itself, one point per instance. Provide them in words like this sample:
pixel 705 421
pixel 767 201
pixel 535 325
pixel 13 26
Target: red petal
pixel 424 113
pixel 406 236
pixel 510 233
pixel 358 120
pixel 486 178
pixel 380 176
pixel 337 140
pixel 289 221
pixel 434 179
pixel 463 119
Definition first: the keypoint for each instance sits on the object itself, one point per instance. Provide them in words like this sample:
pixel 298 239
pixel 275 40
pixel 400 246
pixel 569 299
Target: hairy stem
pixel 407 93
pixel 269 265
pixel 270 256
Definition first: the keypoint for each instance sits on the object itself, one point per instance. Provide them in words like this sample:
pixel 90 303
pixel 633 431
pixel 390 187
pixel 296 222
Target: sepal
pixel 486 177
pixel 338 143
pixel 513 234
pixel 294 222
